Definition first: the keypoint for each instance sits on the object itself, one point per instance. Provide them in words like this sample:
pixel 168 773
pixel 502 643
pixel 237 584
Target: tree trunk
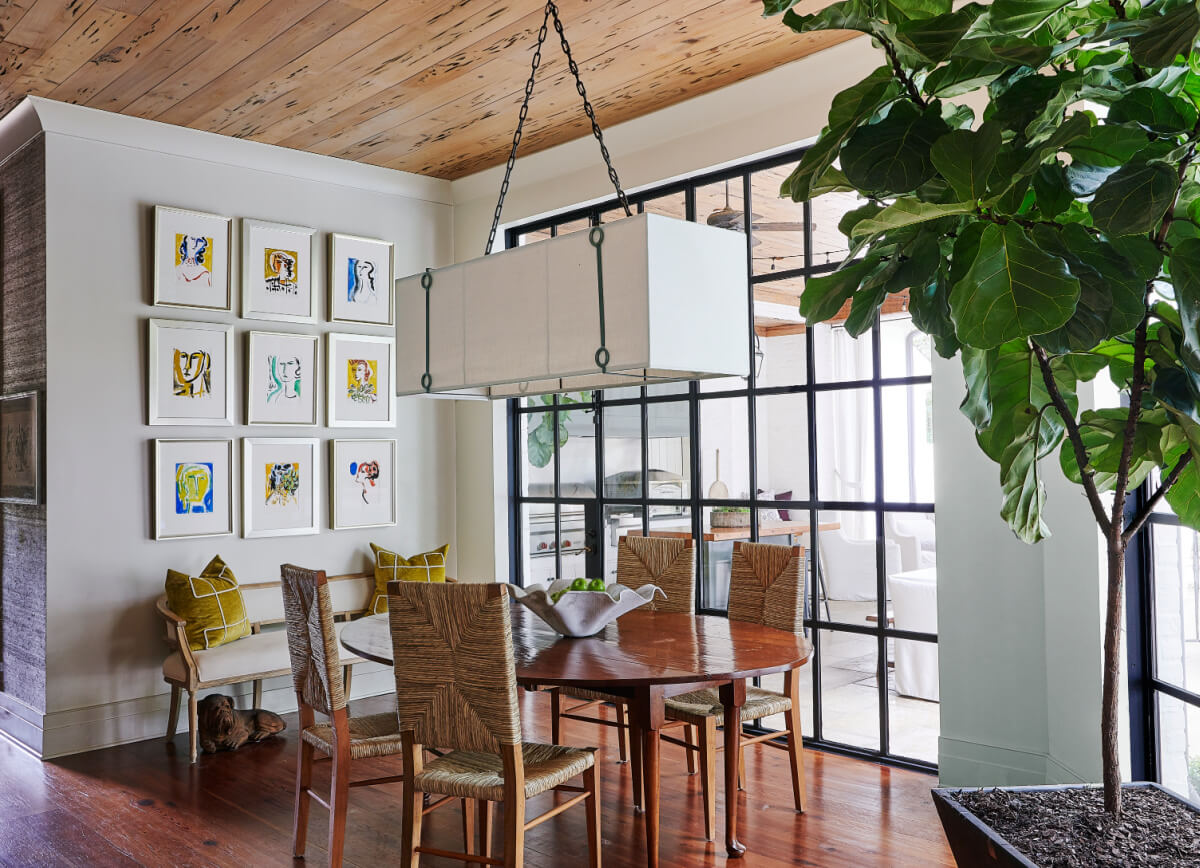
pixel 1109 728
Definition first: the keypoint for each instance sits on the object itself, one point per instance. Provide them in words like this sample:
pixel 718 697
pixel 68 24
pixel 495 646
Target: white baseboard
pixel 100 726
pixel 22 723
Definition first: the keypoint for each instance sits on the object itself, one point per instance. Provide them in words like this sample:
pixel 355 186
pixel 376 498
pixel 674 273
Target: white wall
pixel 1019 628
pixel 104 175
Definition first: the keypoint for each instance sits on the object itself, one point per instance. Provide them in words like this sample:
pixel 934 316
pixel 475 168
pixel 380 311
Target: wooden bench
pixel 255 657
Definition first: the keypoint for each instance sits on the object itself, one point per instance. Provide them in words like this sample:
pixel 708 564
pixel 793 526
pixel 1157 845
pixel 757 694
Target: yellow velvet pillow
pixel 426 567
pixel 211 603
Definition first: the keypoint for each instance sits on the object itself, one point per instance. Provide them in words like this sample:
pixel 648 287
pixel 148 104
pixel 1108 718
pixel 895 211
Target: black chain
pixel 552 12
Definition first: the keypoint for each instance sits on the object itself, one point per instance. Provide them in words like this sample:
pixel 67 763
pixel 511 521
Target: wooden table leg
pixel 733 697
pixel 646 718
pixel 635 764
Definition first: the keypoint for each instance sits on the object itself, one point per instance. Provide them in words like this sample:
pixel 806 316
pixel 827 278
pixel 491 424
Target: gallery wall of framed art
pixel 196 368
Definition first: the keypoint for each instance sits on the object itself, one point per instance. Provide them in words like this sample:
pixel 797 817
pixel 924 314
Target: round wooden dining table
pixel 645 656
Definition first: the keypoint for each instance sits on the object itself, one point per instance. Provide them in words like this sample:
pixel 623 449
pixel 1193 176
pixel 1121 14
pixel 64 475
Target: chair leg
pixel 592 805
pixel 468 821
pixel 484 809
pixel 303 784
pixel 514 831
pixel 689 735
pixel 193 724
pixel 622 732
pixel 555 711
pixel 256 696
pixel 796 756
pixel 338 796
pixel 708 775
pixel 173 717
pixel 347 676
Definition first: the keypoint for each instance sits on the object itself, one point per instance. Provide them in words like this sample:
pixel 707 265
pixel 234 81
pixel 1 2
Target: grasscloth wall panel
pixel 427 86
pixel 23 368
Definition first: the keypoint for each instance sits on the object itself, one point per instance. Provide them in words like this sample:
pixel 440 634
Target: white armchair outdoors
pixel 915 535
pixel 914 608
pixel 848 565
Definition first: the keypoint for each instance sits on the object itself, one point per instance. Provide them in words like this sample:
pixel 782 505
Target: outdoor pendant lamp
pixel 645 299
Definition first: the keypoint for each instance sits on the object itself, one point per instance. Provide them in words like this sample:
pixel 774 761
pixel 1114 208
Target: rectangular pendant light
pixel 527 320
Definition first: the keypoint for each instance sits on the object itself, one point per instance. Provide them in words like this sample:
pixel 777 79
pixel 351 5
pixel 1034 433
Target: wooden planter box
pixel 977 845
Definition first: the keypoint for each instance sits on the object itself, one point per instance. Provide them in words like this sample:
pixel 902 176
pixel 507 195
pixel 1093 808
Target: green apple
pixel 596 585
pixel 579 585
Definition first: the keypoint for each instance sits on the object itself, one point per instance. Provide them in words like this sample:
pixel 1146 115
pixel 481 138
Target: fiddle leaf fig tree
pixel 1047 237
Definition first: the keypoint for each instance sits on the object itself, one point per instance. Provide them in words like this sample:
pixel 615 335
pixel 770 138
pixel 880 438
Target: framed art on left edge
pixel 362 483
pixel 191 259
pixel 191 373
pixel 281 486
pixel 193 488
pixel 20 440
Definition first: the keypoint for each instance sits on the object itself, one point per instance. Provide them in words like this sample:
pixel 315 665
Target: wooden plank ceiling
pixel 428 86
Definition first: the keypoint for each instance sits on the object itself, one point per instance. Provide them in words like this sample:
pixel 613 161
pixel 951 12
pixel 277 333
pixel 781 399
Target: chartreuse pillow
pixel 426 567
pixel 211 603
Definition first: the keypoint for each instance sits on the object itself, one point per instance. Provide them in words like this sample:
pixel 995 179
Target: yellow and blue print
pixel 193 488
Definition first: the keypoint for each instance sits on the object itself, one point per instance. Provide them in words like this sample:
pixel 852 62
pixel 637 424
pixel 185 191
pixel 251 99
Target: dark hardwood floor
pixel 142 804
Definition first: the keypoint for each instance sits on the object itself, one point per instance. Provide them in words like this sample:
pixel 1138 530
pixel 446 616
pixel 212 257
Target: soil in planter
pixel 1071 829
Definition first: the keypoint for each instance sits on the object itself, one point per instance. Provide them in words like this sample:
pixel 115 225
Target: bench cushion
pixel 261 655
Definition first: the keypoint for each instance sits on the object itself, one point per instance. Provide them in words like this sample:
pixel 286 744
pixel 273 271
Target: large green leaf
pixel 1016 393
pixel 1050 187
pixel 1184 496
pixel 1154 111
pixel 1108 145
pixel 966 158
pixel 1016 17
pixel 1134 199
pixel 824 296
pixel 1103 435
pixel 1024 493
pixel 962 75
pixel 1185 273
pixel 859 101
pixel 907 212
pixel 892 155
pixel 1167 37
pixel 934 38
pixel 860 15
pixel 930 309
pixel 977 404
pixel 1012 290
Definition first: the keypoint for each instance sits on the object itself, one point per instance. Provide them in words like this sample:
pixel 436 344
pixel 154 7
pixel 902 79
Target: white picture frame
pixel 193 488
pixel 281 486
pixel 361 280
pixel 360 381
pixel 190 379
pixel 362 483
pixel 282 378
pixel 277 272
pixel 192 254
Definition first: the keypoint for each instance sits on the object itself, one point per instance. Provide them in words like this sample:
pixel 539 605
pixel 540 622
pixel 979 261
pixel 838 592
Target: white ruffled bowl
pixel 582 613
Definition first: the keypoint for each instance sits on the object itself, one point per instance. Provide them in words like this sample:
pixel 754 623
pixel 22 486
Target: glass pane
pixel 716 553
pixel 908 446
pixel 671 205
pixel 530 237
pixel 849 695
pixel 782 434
pixel 619 520
pixel 912 547
pixel 572 542
pixel 615 214
pixel 669 447
pixel 538 546
pixel 1176 553
pixel 624 393
pixel 537 449
pixel 680 388
pixel 574 226
pixel 778 227
pixel 846 445
pixel 829 244
pixel 914 722
pixel 577 456
pixel 721 205
pixel 725 449
pixel 838 357
pixel 848 567
pixel 776 722
pixel 623 451
pixel 1179 746
pixel 903 351
pixel 671 521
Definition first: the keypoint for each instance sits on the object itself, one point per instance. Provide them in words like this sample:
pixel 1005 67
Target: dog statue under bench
pixel 253 657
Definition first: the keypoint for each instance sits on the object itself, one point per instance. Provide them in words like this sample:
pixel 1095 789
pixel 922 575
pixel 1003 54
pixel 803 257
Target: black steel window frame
pixel 694 397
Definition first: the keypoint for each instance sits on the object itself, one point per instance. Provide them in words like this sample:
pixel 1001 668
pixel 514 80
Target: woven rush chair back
pixel 668 563
pixel 456 687
pixel 766 585
pixel 312 640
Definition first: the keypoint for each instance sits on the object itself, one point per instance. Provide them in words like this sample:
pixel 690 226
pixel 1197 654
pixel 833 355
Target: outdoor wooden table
pixel 647 657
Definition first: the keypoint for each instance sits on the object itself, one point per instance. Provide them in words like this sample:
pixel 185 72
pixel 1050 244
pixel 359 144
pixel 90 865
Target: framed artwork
pixel 281 486
pixel 360 279
pixel 191 259
pixel 277 278
pixel 359 380
pixel 193 488
pixel 281 380
pixel 362 483
pixel 20 449
pixel 191 373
